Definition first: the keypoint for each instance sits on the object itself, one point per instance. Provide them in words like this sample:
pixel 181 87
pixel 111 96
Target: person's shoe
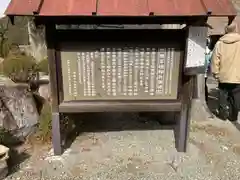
pixel 223 113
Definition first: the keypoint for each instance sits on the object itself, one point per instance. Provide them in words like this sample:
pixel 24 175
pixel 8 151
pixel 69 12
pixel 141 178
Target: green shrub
pixel 1 66
pixel 42 66
pixel 5 48
pixel 19 67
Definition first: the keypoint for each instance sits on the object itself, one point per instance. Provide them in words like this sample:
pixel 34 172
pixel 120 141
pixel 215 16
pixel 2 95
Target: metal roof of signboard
pixel 121 7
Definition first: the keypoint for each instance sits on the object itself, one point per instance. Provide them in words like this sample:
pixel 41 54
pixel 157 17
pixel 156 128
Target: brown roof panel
pixel 176 7
pixel 68 7
pixel 220 7
pixel 22 7
pixel 123 7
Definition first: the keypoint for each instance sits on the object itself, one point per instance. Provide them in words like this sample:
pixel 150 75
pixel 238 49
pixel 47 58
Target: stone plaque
pixel 119 72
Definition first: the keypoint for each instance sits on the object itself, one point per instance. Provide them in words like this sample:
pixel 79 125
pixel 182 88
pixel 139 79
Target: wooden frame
pixel 119 19
pixel 182 104
pixel 119 106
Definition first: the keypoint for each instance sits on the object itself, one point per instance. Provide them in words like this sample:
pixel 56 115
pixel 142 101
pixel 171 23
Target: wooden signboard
pixel 121 71
pixel 93 71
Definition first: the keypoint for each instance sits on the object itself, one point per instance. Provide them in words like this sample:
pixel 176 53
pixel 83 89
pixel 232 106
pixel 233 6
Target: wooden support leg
pixel 184 119
pixel 183 128
pixel 56 134
pixel 55 87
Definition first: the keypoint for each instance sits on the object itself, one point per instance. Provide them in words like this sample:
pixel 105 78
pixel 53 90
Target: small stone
pixel 224 148
pixel 86 149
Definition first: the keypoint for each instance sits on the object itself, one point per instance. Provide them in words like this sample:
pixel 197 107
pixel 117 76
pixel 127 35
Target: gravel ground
pixel 213 153
pixel 127 147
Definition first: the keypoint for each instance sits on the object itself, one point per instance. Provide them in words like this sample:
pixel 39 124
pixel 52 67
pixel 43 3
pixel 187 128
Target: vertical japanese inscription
pixel 93 85
pixel 84 74
pixel 69 78
pixel 168 70
pixel 125 71
pixel 160 71
pixel 152 71
pixel 103 68
pixel 119 70
pixel 109 71
pixel 89 89
pixel 146 70
pixel 79 63
pixel 136 73
pixel 171 69
pixel 141 67
pixel 130 71
pixel 75 84
pixel 114 72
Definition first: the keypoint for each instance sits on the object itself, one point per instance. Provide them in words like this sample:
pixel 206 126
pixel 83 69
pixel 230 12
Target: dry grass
pixel 211 130
pixel 45 123
pixel 211 157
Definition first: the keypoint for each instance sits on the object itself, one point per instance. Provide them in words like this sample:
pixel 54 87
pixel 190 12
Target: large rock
pixel 18 112
pixel 3 161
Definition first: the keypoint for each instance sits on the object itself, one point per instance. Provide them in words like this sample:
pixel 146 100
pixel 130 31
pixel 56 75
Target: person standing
pixel 225 69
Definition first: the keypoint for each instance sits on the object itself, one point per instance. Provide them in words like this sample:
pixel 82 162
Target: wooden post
pixel 51 50
pixel 184 119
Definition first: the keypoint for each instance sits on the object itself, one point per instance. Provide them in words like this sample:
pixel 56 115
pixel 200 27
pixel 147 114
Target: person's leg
pixel 206 91
pixel 223 104
pixel 233 98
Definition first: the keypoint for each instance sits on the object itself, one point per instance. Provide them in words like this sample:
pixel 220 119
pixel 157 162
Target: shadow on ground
pixel 213 105
pixel 213 101
pixel 15 159
pixel 105 122
pixel 237 125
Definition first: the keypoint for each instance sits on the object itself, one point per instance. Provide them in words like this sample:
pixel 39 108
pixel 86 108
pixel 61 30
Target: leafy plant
pixel 4 45
pixel 42 66
pixel 19 67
